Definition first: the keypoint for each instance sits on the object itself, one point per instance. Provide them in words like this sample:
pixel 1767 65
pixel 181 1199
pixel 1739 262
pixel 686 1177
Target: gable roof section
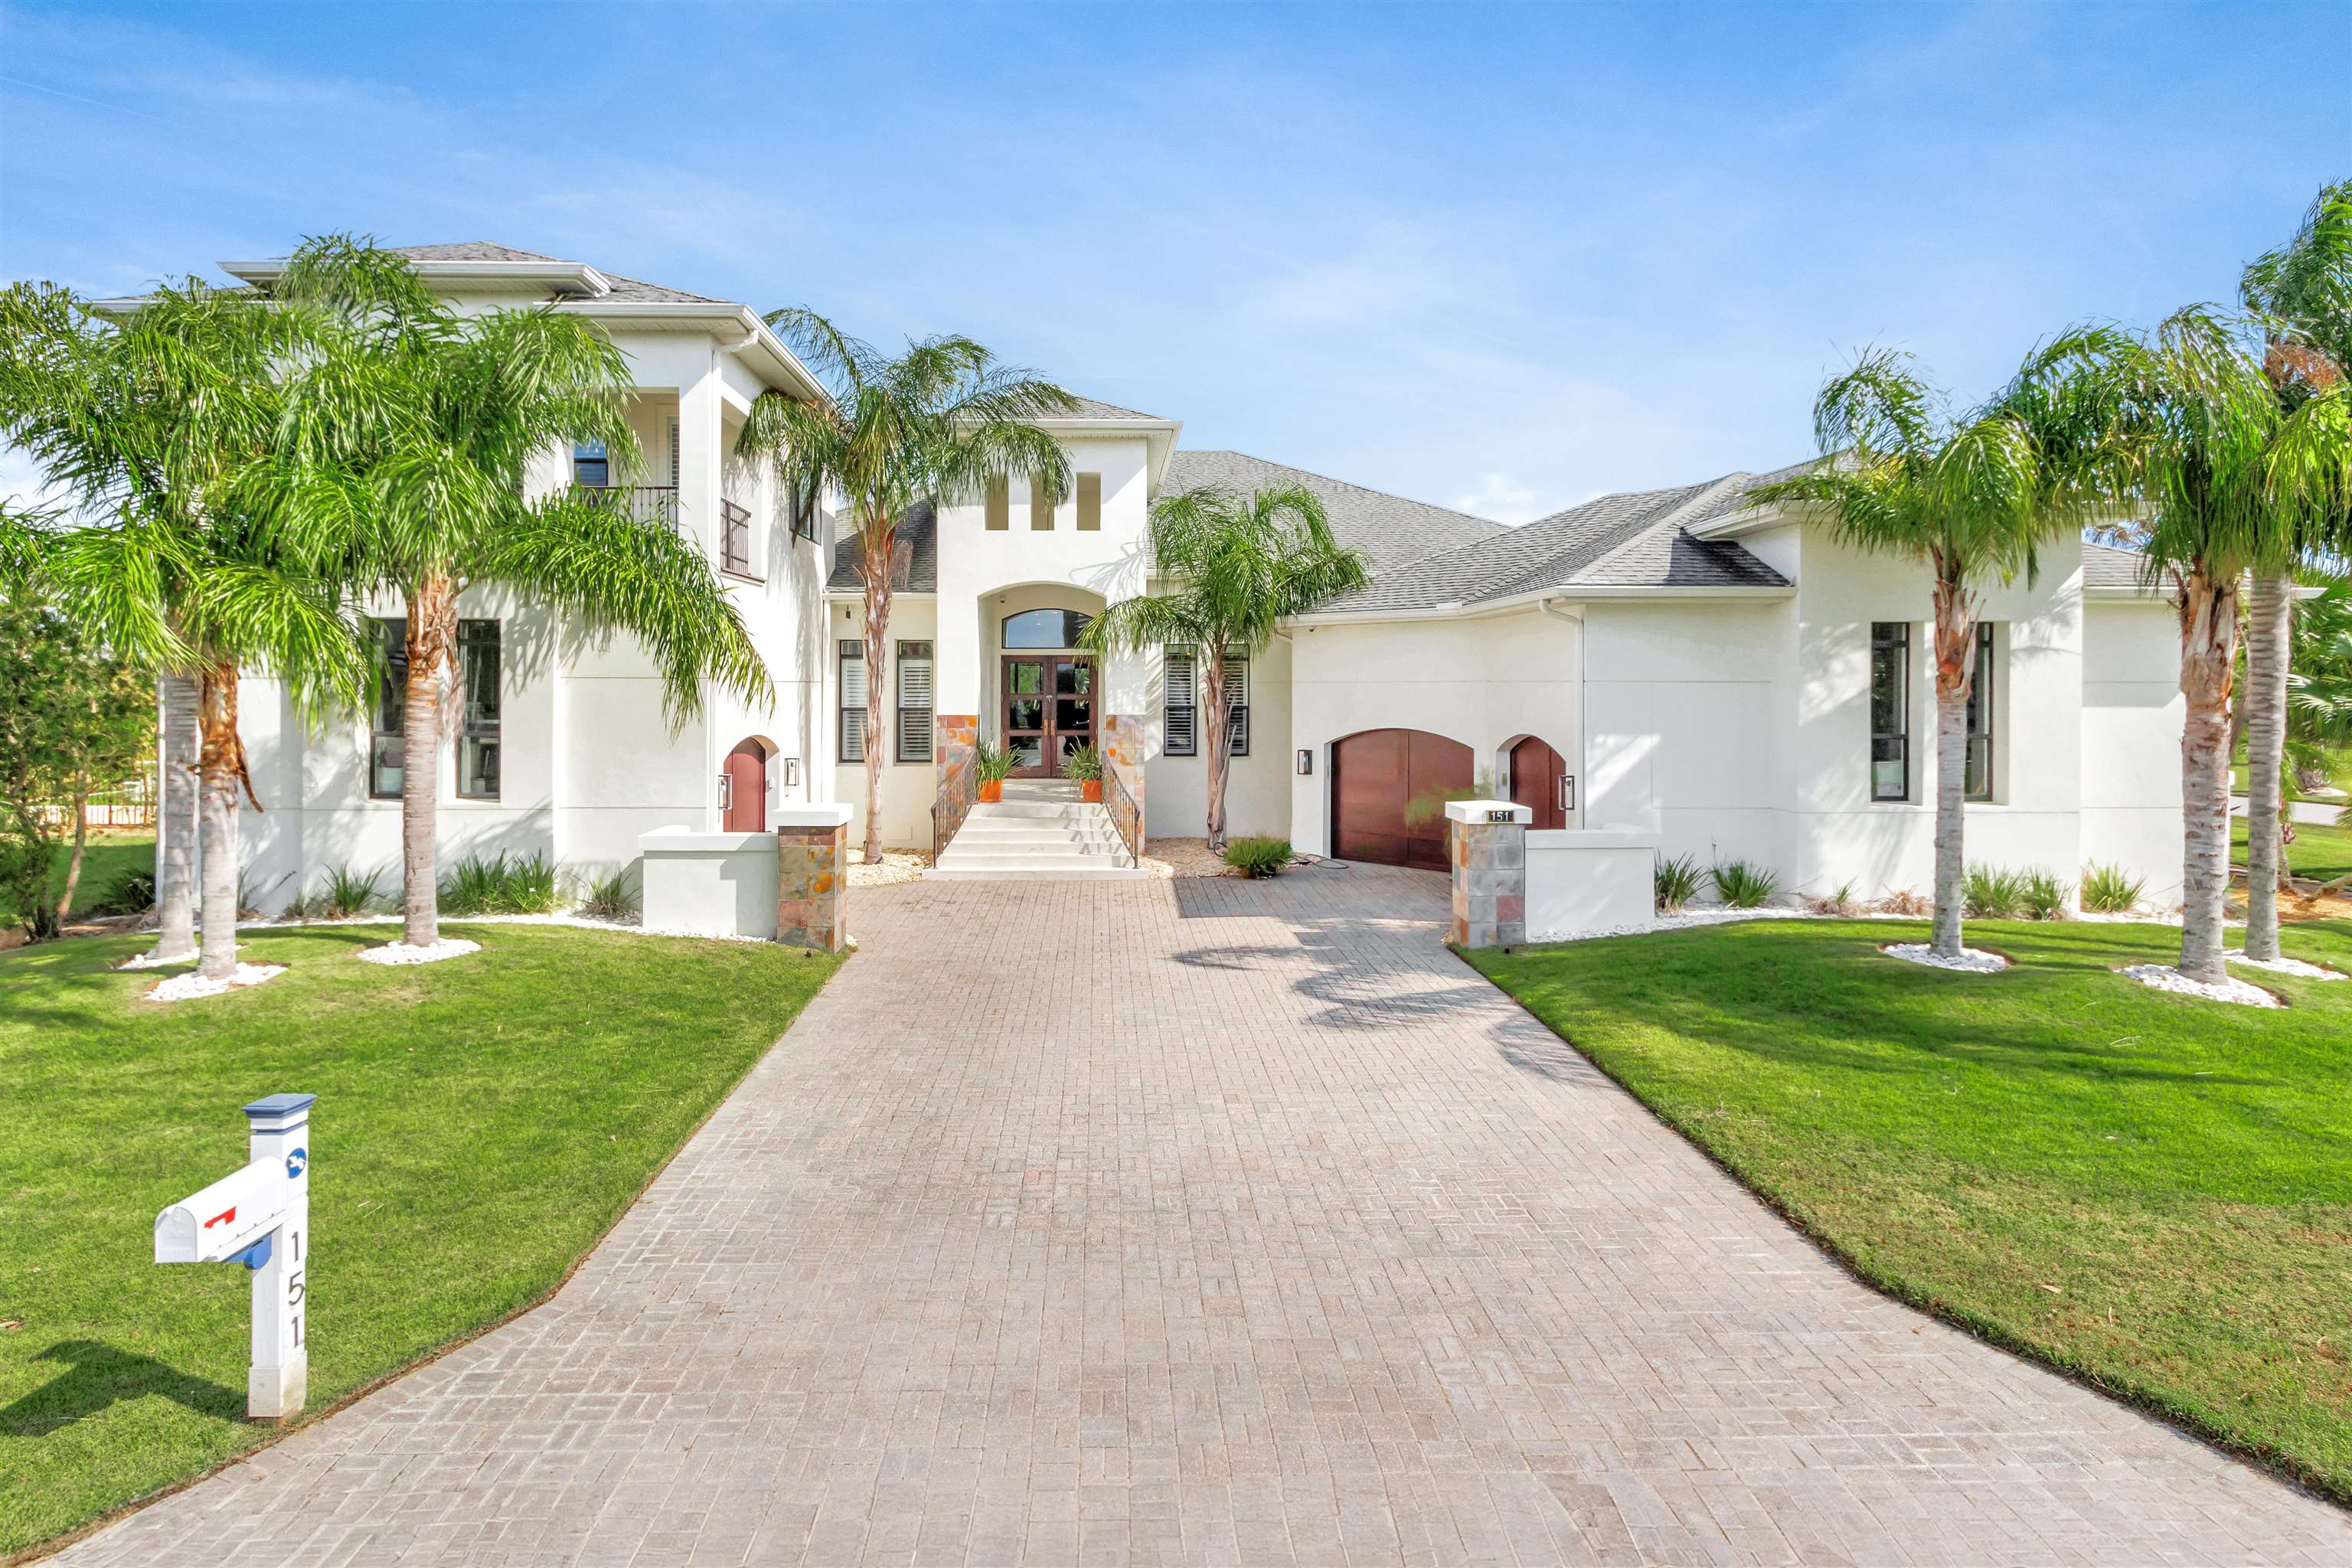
pixel 483 250
pixel 2112 568
pixel 919 548
pixel 1389 529
pixel 1634 540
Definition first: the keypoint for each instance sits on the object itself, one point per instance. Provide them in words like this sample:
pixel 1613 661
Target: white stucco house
pixel 1722 679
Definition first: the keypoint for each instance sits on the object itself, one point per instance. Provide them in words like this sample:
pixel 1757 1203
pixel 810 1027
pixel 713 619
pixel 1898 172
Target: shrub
pixel 608 897
pixel 133 893
pixel 346 894
pixel 2048 896
pixel 1082 765
pixel 1993 893
pixel 1675 882
pixel 1743 886
pixel 502 885
pixel 1258 857
pixel 991 765
pixel 2111 890
pixel 1906 901
pixel 1840 902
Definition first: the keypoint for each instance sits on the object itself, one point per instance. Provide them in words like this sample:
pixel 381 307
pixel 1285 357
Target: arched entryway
pixel 1539 781
pixel 1388 793
pixel 743 790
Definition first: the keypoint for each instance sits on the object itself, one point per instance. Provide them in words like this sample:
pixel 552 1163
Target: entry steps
pixel 1037 841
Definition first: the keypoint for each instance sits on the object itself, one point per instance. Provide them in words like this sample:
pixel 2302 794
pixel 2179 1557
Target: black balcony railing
pixel 735 539
pixel 645 503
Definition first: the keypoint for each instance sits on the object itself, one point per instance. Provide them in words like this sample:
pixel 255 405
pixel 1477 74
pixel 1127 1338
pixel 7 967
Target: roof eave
pixel 1746 520
pixel 1480 608
pixel 686 315
pixel 564 277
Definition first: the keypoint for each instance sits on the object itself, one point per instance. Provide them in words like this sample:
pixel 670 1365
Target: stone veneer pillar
pixel 1486 840
pixel 953 738
pixel 1123 740
pixel 811 880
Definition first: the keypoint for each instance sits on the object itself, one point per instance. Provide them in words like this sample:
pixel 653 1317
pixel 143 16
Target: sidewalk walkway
pixel 1210 1222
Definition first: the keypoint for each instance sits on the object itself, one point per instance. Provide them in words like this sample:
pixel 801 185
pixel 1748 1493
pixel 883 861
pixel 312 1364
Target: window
pixel 853 702
pixel 914 705
pixel 1890 711
pixel 999 504
pixel 589 466
pixel 1040 509
pixel 478 721
pixel 734 538
pixel 1089 503
pixel 1045 628
pixel 385 745
pixel 1981 696
pixel 1181 737
pixel 1237 702
pixel 803 505
pixel 673 454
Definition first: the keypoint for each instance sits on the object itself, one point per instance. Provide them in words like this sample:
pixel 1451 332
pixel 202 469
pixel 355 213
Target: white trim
pixel 577 276
pixel 1572 592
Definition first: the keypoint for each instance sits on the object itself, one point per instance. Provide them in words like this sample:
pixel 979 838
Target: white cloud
pixel 1499 496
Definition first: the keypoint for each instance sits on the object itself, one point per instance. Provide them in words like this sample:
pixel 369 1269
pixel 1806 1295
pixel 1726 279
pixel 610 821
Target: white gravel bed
pixel 2294 966
pixel 399 953
pixel 2165 977
pixel 895 867
pixel 157 960
pixel 1971 960
pixel 187 987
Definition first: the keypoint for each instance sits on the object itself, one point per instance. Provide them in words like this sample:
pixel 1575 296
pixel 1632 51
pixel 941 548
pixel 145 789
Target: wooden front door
pixel 745 804
pixel 1381 778
pixel 1049 710
pixel 1538 781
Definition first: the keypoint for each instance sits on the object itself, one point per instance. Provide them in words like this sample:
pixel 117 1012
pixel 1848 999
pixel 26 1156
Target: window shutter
pixel 1041 510
pixel 1237 703
pixel 999 504
pixel 1089 503
pixel 673 454
pixel 1181 738
pixel 853 702
pixel 914 707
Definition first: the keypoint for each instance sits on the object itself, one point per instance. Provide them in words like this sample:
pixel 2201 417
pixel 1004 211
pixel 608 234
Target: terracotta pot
pixel 1090 789
pixel 992 789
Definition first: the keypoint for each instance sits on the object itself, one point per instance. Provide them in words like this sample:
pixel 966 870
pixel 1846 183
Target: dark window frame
pixel 1890 643
pixel 849 746
pixel 900 708
pixel 476 731
pixel 388 714
pixel 582 462
pixel 803 505
pixel 1169 708
pixel 1978 774
pixel 1237 714
pixel 1073 626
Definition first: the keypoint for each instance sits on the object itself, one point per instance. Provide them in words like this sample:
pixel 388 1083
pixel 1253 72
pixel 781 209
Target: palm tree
pixel 937 423
pixel 409 435
pixel 2302 291
pixel 1970 496
pixel 1231 567
pixel 155 427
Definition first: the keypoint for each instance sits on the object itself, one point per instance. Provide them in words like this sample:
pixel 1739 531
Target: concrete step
pixel 1048 810
pixel 1064 856
pixel 1046 839
pixel 947 873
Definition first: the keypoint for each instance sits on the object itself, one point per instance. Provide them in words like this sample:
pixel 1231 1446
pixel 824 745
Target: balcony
pixel 644 503
pixel 735 539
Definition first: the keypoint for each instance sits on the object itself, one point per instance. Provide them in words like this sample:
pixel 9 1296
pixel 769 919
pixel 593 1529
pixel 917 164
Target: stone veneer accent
pixel 1490 872
pixel 812 892
pixel 1123 738
pixel 953 736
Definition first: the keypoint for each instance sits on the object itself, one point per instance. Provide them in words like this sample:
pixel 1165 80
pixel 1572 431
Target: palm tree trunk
pixel 2209 635
pixel 877 546
pixel 81 842
pixel 2268 606
pixel 220 767
pixel 1955 633
pixel 1220 744
pixel 176 775
pixel 432 627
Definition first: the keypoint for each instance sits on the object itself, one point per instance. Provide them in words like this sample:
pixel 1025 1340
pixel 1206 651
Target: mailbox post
pixel 260 1217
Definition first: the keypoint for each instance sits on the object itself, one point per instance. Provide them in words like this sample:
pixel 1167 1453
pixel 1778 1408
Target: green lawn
pixel 479 1124
pixel 2150 1191
pixel 2320 850
pixel 107 857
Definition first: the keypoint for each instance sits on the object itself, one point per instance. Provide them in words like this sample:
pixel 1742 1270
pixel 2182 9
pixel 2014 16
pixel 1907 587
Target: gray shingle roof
pixel 2112 566
pixel 1638 539
pixel 483 250
pixel 1096 408
pixel 918 545
pixel 1389 529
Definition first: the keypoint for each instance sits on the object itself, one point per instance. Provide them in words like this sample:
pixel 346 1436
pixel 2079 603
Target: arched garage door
pixel 1375 775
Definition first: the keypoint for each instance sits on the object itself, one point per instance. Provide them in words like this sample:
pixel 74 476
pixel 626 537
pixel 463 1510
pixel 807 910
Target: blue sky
pixel 1504 258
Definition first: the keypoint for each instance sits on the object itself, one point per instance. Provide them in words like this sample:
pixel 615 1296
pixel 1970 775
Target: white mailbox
pixel 260 1217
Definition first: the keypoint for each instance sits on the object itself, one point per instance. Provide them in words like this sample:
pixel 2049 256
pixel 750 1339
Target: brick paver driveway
pixel 1210 1222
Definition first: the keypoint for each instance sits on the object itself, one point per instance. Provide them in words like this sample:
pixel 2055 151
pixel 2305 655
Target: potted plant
pixel 992 763
pixel 1084 766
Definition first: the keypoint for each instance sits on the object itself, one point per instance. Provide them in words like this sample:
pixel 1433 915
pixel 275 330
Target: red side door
pixel 746 790
pixel 1535 775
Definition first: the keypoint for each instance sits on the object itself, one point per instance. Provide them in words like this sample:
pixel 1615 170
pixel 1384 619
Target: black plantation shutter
pixel 1183 738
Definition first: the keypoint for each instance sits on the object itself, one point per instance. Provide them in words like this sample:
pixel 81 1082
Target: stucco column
pixel 812 883
pixel 1486 840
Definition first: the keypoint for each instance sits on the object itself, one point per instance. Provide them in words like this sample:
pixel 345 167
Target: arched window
pixel 1045 628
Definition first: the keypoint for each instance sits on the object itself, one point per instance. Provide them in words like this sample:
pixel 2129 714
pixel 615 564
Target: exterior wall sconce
pixel 1306 761
pixel 791 773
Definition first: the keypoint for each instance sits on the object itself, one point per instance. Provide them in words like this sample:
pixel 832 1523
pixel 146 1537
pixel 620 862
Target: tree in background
pixel 937 423
pixel 2302 293
pixel 71 719
pixel 1971 496
pixel 409 435
pixel 1233 567
pixel 154 428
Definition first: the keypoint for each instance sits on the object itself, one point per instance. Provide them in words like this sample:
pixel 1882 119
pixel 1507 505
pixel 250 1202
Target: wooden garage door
pixel 1374 775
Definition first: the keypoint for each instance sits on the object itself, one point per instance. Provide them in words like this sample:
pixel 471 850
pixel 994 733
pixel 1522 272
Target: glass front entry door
pixel 1049 711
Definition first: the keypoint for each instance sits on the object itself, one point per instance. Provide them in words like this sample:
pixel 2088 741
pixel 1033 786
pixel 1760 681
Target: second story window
pixel 804 504
pixel 385 744
pixel 589 467
pixel 478 675
pixel 1890 711
pixel 735 539
pixel 1980 699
